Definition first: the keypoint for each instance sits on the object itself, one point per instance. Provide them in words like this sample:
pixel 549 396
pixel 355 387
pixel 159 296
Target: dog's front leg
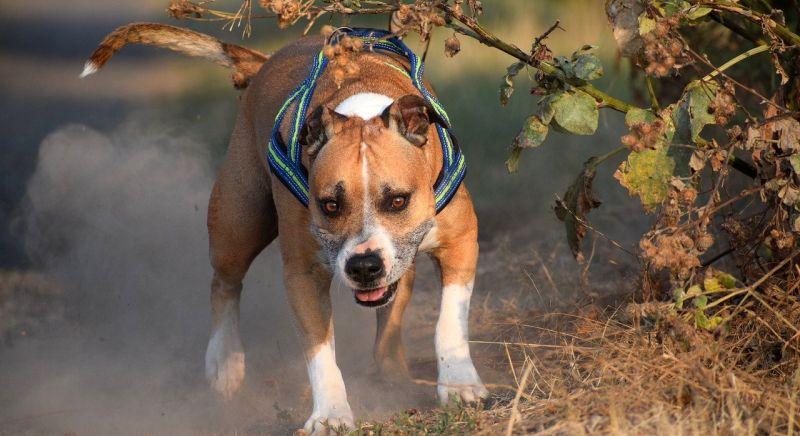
pixel 457 375
pixel 309 296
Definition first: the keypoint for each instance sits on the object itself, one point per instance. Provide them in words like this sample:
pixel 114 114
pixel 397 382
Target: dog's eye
pixel 399 202
pixel 330 207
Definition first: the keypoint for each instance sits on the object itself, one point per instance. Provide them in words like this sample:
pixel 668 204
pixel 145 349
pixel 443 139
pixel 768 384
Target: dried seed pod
pixel 452 46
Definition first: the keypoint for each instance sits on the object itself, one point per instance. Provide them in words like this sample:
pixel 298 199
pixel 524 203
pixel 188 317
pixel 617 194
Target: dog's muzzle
pixel 375 297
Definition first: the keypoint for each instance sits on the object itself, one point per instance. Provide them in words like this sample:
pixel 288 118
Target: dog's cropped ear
pixel 320 126
pixel 411 116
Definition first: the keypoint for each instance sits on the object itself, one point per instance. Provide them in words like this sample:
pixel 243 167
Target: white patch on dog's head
pixel 373 236
pixel 365 105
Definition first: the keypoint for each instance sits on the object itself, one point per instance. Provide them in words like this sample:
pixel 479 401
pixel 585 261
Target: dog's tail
pixel 244 61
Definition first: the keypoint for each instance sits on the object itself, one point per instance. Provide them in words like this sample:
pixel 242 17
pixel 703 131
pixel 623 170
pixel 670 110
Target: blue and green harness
pixel 285 159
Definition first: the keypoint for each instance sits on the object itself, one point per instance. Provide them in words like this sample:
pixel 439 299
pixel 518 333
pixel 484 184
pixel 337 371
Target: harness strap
pixel 285 159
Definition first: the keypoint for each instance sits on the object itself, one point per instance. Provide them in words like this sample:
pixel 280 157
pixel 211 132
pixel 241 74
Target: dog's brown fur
pixel 244 61
pixel 249 207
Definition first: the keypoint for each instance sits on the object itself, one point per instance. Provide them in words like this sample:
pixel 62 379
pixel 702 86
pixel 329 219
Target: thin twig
pixel 515 404
pixel 766 100
pixel 736 60
pixel 479 33
pixel 652 92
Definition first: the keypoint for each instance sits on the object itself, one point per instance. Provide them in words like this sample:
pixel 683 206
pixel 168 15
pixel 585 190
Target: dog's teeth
pixel 88 69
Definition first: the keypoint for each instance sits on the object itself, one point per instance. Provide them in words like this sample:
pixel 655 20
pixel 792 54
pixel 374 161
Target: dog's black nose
pixel 364 268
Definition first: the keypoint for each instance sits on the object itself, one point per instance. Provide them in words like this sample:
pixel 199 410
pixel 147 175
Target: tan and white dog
pixel 373 156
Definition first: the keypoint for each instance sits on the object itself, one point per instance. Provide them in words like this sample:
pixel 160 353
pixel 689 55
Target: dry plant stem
pixel 220 15
pixel 755 285
pixel 538 41
pixel 728 202
pixel 531 345
pixel 782 31
pixel 476 31
pixel 712 198
pixel 765 100
pixel 736 163
pixel 737 28
pixel 736 60
pixel 652 92
pixel 515 404
pixel 598 232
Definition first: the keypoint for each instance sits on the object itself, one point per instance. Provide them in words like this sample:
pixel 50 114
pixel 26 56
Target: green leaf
pixel 586 48
pixel 587 66
pixel 574 112
pixel 531 135
pixel 671 7
pixel 636 116
pixel 578 201
pixel 696 12
pixel 795 161
pixel 765 252
pixel 701 320
pixel 726 280
pixel 646 24
pixel 507 85
pixel 545 108
pixel 693 291
pixel 647 174
pixel 691 114
pixel 679 297
pixel 700 301
pixel 564 65
pixel 512 163
pixel 712 285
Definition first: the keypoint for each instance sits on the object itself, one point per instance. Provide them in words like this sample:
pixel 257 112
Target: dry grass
pixel 641 369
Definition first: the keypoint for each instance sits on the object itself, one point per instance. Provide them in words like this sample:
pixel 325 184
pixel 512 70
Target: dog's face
pixel 371 199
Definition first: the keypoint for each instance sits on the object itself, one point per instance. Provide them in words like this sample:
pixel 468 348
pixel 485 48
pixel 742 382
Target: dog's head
pixel 371 196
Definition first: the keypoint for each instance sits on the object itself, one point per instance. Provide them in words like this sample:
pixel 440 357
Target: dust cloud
pixel 117 220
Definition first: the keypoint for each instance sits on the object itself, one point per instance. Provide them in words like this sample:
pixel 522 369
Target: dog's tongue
pixel 371 295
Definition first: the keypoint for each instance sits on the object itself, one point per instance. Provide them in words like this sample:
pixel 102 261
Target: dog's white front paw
pixel 459 380
pixel 225 362
pixel 334 421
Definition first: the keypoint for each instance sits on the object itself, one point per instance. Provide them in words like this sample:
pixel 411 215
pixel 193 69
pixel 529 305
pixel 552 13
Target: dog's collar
pixel 285 159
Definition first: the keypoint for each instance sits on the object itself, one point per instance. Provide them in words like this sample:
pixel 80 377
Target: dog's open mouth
pixel 375 297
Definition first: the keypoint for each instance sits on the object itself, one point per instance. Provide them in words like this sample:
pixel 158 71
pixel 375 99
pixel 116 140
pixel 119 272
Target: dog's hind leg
pixel 389 351
pixel 241 223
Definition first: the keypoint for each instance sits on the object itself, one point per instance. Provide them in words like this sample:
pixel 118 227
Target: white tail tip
pixel 88 69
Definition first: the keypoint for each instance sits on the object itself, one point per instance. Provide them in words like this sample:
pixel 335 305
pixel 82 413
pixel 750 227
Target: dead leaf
pixel 698 161
pixel 578 201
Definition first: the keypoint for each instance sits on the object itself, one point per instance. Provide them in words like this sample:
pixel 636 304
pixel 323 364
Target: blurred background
pixel 104 270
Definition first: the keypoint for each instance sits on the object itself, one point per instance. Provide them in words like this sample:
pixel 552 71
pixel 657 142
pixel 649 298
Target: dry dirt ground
pixel 104 331
pixel 65 371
